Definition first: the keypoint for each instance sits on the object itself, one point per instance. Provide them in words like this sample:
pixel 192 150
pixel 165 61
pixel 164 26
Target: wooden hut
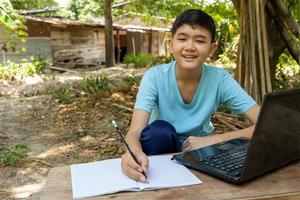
pixel 72 43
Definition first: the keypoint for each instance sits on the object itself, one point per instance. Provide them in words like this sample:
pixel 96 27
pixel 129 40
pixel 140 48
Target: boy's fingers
pixel 184 145
pixel 133 169
pixel 135 174
pixel 144 163
pixel 132 164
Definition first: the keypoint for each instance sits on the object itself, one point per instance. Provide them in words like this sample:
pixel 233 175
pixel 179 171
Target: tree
pixel 86 10
pixel 109 38
pixel 32 4
pixel 267 28
pixel 13 24
pixel 157 8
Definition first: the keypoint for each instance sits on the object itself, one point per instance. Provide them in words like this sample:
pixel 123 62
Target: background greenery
pixel 223 12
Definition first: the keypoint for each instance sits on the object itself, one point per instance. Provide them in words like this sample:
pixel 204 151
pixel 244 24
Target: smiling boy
pixel 176 101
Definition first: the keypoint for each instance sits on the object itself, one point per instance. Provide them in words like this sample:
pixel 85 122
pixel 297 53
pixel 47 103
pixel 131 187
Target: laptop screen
pixel 276 138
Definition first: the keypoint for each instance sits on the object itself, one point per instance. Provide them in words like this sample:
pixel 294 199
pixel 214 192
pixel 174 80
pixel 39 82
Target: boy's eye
pixel 200 41
pixel 181 39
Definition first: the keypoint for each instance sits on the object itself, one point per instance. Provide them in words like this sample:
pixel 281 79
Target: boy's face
pixel 191 46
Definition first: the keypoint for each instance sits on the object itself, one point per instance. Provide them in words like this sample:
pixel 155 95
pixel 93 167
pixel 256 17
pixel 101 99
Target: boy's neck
pixel 188 75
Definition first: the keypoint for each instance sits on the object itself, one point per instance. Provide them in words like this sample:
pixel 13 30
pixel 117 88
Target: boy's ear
pixel 212 49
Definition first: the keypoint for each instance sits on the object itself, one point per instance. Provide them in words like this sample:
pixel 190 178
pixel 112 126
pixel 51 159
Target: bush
pixel 139 61
pixel 14 155
pixel 40 63
pixel 286 71
pixel 132 80
pixel 10 70
pixel 96 84
pixel 62 95
pixel 162 59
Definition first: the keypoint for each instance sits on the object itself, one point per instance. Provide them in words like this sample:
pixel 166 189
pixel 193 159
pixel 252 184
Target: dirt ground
pixel 58 134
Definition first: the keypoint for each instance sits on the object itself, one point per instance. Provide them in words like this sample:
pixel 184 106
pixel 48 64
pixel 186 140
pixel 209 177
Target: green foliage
pixel 293 7
pixel 132 80
pixel 39 62
pixel 85 10
pixel 157 8
pixel 91 84
pixel 63 95
pixel 287 69
pixel 227 24
pixel 14 155
pixel 32 4
pixel 140 60
pixel 10 70
pixel 14 26
pixel 229 55
pixel 162 59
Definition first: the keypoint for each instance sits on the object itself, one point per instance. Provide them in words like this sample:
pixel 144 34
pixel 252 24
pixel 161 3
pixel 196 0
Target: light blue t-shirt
pixel 159 94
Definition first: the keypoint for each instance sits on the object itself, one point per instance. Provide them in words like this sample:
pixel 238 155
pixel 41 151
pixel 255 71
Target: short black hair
pixel 194 17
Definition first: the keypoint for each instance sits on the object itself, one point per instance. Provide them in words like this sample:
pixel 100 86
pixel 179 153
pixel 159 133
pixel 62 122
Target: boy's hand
pixel 132 169
pixel 193 142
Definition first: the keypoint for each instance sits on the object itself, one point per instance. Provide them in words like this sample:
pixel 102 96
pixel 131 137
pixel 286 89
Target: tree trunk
pixel 277 32
pixel 109 38
pixel 282 10
pixel 287 26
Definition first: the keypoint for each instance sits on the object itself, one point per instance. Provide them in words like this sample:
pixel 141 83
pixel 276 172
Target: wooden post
pixel 118 46
pixel 239 69
pixel 150 42
pixel 265 47
pixel 109 39
pixel 252 59
pixel 260 48
pixel 133 45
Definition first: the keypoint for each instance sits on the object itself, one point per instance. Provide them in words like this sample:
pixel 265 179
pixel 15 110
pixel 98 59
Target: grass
pixel 14 155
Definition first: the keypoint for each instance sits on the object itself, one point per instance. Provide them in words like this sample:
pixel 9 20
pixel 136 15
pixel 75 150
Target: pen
pixel 127 146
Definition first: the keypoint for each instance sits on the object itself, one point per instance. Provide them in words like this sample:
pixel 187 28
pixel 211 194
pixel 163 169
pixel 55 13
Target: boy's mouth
pixel 189 57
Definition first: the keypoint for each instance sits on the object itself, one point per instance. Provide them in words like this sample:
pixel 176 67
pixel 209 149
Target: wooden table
pixel 283 184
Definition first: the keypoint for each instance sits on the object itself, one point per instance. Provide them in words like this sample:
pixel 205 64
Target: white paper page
pixel 97 178
pixel 166 173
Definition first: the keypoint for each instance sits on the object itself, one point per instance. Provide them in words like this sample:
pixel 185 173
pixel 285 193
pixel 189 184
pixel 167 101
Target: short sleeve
pixel 147 95
pixel 233 96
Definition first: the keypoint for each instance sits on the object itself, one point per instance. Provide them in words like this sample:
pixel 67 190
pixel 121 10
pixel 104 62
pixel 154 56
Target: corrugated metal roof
pixel 123 26
pixel 60 21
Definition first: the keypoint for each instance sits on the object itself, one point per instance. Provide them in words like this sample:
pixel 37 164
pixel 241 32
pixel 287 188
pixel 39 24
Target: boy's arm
pixel 140 120
pixel 197 142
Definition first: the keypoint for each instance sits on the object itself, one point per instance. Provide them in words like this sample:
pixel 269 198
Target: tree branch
pixel 293 48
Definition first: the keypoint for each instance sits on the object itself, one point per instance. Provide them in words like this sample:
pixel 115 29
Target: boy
pixel 181 97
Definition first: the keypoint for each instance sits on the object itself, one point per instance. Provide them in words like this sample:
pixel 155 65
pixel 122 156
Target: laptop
pixel 275 143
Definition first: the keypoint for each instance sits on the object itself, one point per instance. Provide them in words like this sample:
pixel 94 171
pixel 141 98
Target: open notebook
pixel 106 177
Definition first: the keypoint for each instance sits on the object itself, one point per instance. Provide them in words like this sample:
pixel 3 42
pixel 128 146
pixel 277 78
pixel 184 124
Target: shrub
pixel 40 63
pixel 162 59
pixel 10 70
pixel 286 70
pixel 14 155
pixel 95 84
pixel 62 95
pixel 132 80
pixel 139 61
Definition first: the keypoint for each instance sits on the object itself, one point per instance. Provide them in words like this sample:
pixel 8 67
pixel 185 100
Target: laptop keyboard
pixel 228 161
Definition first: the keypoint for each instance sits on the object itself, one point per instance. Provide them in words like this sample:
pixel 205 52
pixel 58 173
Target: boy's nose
pixel 190 44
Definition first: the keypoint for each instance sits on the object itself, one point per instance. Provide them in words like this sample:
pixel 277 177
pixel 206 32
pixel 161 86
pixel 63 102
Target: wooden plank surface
pixel 283 184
